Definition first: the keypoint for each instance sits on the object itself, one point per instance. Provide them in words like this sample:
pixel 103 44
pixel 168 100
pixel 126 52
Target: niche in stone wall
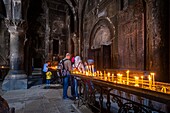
pixel 101 38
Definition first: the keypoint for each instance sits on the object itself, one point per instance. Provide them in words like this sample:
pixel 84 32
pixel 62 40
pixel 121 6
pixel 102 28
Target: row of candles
pixel 119 78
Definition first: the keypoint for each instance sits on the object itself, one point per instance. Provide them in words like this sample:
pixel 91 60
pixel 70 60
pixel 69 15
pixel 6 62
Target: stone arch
pixel 100 43
pixel 104 28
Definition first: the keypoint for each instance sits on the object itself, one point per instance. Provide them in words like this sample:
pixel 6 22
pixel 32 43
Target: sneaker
pixel 65 98
pixel 77 98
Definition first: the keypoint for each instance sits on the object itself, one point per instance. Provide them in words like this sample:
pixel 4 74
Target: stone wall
pixel 131 37
pixel 157 38
pixel 4 38
pixel 141 39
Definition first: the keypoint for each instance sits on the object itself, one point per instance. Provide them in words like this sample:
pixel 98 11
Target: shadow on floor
pixel 53 87
pixel 34 80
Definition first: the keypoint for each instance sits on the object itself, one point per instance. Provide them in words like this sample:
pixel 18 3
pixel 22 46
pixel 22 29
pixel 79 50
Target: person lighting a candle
pixel 78 66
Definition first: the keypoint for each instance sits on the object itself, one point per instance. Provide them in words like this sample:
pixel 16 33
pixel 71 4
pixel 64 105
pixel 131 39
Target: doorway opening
pixel 55 47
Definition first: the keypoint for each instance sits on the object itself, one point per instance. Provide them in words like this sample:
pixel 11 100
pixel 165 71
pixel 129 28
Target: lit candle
pixel 112 77
pixel 119 78
pixel 153 78
pixel 87 73
pixel 108 75
pixel 105 75
pixel 127 77
pixel 101 75
pixel 163 89
pixel 142 81
pixel 136 81
pixel 150 82
pixel 97 73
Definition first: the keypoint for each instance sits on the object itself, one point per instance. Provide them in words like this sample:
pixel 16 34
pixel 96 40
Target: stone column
pixel 157 38
pixel 16 77
pixel 76 44
pixel 47 36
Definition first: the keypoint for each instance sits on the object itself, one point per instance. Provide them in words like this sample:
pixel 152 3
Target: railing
pixel 103 93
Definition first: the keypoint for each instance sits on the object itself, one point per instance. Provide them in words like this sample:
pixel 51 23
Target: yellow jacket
pixel 48 75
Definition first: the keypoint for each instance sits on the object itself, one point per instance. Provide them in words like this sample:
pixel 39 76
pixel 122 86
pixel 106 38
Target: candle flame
pixel 153 74
pixel 127 71
pixel 149 77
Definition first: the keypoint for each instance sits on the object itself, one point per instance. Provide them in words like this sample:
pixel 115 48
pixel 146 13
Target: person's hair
pixel 68 54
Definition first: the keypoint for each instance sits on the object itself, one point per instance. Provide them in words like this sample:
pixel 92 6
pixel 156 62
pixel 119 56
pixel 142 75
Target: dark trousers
pixel 44 77
pixel 72 86
pixel 76 87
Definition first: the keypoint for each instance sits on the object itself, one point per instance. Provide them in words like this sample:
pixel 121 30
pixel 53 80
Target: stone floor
pixel 37 99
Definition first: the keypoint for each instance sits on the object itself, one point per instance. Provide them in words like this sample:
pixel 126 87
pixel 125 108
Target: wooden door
pixel 106 61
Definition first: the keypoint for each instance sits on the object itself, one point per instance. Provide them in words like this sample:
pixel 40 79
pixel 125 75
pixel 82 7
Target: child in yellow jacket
pixel 48 77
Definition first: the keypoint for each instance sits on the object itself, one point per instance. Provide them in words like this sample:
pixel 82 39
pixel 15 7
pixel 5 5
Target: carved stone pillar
pixel 76 44
pixel 157 38
pixel 16 77
pixel 47 36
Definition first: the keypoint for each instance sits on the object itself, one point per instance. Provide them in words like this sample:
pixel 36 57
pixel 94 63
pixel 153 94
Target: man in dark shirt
pixel 67 68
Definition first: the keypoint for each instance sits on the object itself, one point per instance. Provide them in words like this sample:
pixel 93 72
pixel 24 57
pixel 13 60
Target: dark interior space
pixel 55 47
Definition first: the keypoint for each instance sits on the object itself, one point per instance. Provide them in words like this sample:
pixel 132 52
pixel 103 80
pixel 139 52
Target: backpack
pixel 61 64
pixel 61 67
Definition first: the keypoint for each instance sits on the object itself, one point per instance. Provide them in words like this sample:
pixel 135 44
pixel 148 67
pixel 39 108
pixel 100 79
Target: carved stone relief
pixel 130 37
pixel 102 37
pixel 57 27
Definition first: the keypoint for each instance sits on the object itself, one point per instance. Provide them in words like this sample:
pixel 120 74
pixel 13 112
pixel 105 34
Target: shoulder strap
pixel 78 65
pixel 63 63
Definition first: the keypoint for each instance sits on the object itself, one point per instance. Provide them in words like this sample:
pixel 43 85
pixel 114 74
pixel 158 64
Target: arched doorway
pixel 101 43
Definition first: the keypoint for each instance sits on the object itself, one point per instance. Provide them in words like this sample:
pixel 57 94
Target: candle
pixel 76 72
pixel 87 73
pixel 127 77
pixel 94 74
pixel 153 79
pixel 101 75
pixel 112 77
pixel 142 81
pixel 108 76
pixel 163 89
pixel 87 68
pixel 97 73
pixel 136 81
pixel 105 75
pixel 150 82
pixel 119 78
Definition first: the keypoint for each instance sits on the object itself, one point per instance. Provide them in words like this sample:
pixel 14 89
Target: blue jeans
pixel 65 86
pixel 76 87
pixel 48 82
